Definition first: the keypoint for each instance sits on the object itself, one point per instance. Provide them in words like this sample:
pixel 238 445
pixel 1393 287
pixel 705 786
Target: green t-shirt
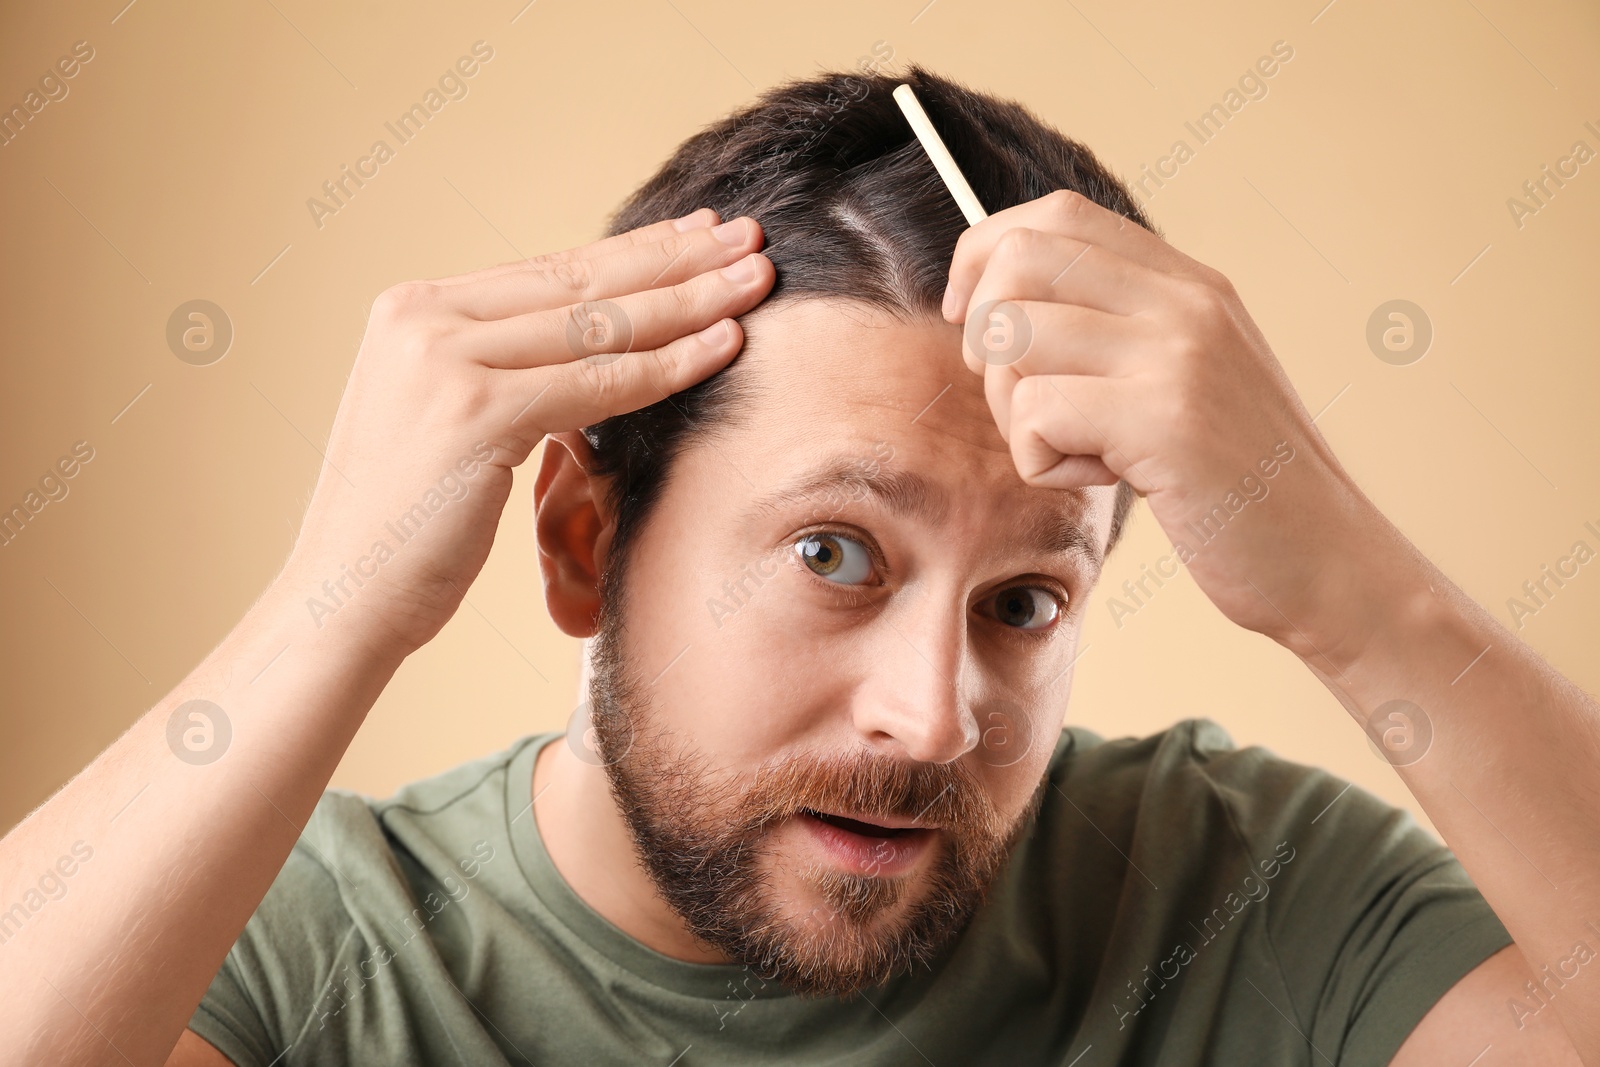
pixel 1178 901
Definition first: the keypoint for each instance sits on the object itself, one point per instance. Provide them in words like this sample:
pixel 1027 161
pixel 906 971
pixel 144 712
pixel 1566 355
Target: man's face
pixel 843 658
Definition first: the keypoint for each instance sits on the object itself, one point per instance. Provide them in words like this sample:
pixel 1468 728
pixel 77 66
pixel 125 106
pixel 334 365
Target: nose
pixel 912 704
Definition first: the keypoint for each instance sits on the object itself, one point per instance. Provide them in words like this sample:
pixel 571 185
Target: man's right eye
pixel 834 557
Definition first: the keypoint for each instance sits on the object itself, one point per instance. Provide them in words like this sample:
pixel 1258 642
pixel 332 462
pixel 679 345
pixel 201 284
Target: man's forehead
pixel 844 399
pixel 840 367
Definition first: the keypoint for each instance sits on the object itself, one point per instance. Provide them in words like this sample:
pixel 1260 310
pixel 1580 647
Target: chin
pixel 830 931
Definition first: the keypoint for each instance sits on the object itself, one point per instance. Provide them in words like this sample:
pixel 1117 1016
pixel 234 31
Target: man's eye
pixel 1026 607
pixel 837 558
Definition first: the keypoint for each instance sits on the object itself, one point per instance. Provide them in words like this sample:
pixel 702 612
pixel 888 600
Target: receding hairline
pixel 904 492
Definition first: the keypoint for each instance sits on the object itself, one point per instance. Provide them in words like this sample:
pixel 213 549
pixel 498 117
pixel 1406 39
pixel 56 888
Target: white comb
pixel 943 161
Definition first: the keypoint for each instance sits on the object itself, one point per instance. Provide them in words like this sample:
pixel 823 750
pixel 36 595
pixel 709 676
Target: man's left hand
pixel 1107 353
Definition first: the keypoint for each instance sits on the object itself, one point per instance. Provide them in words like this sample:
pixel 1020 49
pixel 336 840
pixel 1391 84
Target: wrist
pixel 301 609
pixel 1369 594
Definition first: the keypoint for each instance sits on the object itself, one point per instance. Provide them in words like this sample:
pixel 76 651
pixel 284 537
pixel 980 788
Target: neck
pixel 588 841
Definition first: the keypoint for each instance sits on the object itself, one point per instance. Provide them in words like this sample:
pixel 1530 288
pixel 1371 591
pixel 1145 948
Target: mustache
pixel 869 786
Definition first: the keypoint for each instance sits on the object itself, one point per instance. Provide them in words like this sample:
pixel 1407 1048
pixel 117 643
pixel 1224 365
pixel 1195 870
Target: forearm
pixel 181 851
pixel 1509 776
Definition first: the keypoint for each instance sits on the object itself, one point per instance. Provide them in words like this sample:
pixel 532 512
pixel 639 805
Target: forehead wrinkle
pixel 904 493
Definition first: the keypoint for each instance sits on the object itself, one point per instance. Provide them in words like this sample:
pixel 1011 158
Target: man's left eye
pixel 837 558
pixel 1027 607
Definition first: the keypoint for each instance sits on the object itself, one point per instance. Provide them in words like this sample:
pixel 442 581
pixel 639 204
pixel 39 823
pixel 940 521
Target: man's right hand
pixel 458 379
pixel 455 383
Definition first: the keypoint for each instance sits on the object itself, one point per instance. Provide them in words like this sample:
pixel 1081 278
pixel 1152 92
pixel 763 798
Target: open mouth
pixel 855 826
pixel 870 849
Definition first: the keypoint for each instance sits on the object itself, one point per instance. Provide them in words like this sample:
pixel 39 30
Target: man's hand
pixel 1107 353
pixel 458 379
pixel 455 383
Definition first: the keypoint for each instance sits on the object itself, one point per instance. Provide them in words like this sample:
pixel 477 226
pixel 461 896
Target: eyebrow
pixel 912 496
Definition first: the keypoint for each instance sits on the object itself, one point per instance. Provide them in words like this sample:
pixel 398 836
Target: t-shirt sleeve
pixel 1372 919
pixel 264 997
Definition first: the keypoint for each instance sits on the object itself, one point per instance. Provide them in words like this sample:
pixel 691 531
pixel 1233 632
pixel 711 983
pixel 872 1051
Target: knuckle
pixel 675 245
pixel 603 383
pixel 1208 307
pixel 1014 244
pixel 1215 279
pixel 405 300
pixel 595 326
pixel 576 275
pixel 1068 205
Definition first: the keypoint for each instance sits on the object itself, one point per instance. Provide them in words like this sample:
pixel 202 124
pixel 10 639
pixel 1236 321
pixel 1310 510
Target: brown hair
pixel 851 207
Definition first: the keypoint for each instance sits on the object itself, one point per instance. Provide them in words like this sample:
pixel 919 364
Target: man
pixel 820 806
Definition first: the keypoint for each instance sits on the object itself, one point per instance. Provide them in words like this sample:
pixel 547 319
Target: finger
pixel 1055 429
pixel 595 330
pixel 674 258
pixel 573 395
pixel 1052 339
pixel 1030 264
pixel 1069 472
pixel 1069 214
pixel 655 231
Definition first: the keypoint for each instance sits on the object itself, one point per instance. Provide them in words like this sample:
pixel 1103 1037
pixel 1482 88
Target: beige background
pixel 1378 166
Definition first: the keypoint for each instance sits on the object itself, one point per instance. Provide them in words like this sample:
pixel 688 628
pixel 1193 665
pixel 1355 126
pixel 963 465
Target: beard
pixel 702 836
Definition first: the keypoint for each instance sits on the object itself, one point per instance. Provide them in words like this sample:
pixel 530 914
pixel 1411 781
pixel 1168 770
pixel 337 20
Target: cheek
pixel 1011 787
pixel 734 677
pixel 1014 750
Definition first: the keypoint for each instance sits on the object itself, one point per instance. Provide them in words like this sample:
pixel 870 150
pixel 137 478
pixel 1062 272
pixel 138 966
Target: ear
pixel 572 527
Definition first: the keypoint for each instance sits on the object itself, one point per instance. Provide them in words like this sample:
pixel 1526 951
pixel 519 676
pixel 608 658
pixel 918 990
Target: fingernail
pixel 715 335
pixel 944 304
pixel 694 220
pixel 742 271
pixel 732 233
